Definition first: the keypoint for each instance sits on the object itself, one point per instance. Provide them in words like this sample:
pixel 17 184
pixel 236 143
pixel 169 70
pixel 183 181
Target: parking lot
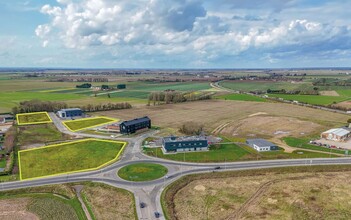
pixel 341 145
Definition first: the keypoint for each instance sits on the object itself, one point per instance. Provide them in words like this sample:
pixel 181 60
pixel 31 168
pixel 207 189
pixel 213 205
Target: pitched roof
pixel 338 131
pixel 136 121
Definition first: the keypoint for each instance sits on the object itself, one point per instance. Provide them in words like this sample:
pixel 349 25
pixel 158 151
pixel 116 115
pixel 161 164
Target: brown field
pixel 329 93
pixel 268 196
pixel 270 126
pixel 214 113
pixel 16 209
pixel 108 202
pixel 345 104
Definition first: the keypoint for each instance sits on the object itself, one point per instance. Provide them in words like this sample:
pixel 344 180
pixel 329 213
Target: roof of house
pixel 338 131
pixel 184 138
pixel 71 109
pixel 259 142
pixel 6 116
pixel 136 121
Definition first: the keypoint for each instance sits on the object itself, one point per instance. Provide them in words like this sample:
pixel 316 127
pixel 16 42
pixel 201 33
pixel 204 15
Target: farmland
pixel 136 91
pixel 215 113
pixel 247 86
pixel 281 193
pixel 81 124
pixel 68 157
pixel 242 97
pixel 142 172
pixel 312 99
pixel 33 118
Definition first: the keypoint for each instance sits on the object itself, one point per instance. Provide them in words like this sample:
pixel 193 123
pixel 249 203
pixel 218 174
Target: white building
pixel 336 134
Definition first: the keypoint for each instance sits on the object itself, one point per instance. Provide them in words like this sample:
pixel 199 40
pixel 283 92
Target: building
pixel 121 86
pixel 6 118
pixel 181 144
pixel 70 113
pixel 336 134
pixel 261 145
pixel 132 126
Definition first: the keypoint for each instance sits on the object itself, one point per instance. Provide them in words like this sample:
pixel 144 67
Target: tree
pixel 349 120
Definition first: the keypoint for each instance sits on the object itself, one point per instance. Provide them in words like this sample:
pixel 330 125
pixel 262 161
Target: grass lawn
pixel 233 152
pixel 311 99
pixel 33 118
pixel 43 133
pixel 142 172
pixel 242 97
pixel 89 154
pixel 3 163
pixel 303 143
pixel 80 124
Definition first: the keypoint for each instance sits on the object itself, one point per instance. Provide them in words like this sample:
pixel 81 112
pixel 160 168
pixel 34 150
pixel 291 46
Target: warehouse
pixel 132 126
pixel 261 145
pixel 70 113
pixel 182 144
pixel 336 134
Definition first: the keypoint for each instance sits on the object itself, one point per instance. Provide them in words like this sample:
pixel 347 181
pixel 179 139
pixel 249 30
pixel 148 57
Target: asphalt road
pixel 150 192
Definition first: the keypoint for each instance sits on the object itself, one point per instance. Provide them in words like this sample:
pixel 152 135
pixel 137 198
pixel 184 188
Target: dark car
pixel 217 168
pixel 157 214
pixel 142 205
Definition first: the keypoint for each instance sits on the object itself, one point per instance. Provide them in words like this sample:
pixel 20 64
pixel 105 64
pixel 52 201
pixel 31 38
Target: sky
pixel 175 33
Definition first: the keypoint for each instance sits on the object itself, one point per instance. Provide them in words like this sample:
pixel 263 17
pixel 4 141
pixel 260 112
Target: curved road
pixel 150 192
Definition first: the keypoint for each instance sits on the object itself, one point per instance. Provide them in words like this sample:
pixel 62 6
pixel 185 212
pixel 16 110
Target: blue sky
pixel 175 33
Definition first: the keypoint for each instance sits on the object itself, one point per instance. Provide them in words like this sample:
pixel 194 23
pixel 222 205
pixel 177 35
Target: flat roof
pixel 260 142
pixel 184 138
pixel 136 121
pixel 71 109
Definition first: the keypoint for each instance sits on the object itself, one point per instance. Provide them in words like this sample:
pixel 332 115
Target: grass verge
pixel 77 156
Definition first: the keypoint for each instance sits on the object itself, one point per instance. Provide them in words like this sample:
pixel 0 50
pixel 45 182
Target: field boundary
pixel 33 123
pixel 113 120
pixel 75 171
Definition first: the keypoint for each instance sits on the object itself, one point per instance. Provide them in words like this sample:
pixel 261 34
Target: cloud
pixel 192 31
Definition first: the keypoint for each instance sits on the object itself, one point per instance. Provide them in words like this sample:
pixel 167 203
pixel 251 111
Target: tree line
pixel 169 97
pixel 49 106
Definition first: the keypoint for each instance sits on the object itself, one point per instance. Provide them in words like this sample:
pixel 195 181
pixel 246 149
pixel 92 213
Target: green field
pixel 312 99
pixel 231 153
pixel 33 134
pixel 80 124
pixel 67 157
pixel 247 86
pixel 142 172
pixel 303 143
pixel 33 118
pixel 242 97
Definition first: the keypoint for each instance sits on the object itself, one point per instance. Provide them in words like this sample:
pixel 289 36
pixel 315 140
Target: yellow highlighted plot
pixel 86 123
pixel 70 157
pixel 33 118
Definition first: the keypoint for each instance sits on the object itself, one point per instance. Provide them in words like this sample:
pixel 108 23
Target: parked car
pixel 142 205
pixel 157 214
pixel 217 168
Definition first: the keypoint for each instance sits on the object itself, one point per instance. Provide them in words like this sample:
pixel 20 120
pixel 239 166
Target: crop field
pixel 247 86
pixel 33 118
pixel 285 193
pixel 312 99
pixel 85 123
pixel 142 172
pixel 77 156
pixel 242 97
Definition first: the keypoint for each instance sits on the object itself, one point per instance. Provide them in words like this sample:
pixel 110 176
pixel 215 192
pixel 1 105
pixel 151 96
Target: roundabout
pixel 139 172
